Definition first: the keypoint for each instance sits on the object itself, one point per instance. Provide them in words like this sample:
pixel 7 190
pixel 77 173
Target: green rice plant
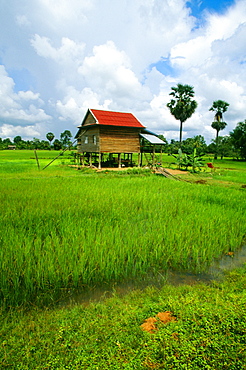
pixel 19 163
pixel 66 232
pixel 231 176
pixel 62 229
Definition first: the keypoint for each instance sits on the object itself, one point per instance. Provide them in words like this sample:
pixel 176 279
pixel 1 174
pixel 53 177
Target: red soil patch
pixel 166 317
pixel 230 254
pixel 150 324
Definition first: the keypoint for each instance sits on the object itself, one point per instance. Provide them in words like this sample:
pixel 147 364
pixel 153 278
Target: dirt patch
pixel 150 324
pixel 103 169
pixel 176 172
pixel 200 182
pixel 112 169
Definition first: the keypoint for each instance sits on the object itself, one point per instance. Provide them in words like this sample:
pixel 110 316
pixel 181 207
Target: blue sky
pixel 60 57
pixel 198 6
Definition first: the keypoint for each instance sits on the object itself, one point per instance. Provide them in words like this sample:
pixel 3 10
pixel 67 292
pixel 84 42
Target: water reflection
pixel 215 272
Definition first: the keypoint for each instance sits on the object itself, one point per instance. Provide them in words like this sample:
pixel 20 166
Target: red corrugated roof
pixel 115 118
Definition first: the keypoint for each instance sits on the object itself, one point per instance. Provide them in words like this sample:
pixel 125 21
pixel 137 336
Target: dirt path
pixel 176 172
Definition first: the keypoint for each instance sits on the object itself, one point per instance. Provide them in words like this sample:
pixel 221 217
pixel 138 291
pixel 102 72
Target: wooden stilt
pixel 139 159
pixel 153 161
pixel 119 160
pixel 99 161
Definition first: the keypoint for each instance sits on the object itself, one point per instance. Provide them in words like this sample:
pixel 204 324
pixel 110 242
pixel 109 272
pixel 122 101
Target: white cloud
pixel 22 20
pixel 194 52
pixel 61 11
pixel 221 27
pixel 212 61
pixel 11 131
pixel 109 69
pixel 104 54
pixel 6 88
pixel 28 95
pixel 76 103
pixel 18 107
pixel 69 51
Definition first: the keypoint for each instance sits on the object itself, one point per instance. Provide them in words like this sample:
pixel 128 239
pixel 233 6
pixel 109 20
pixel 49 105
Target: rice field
pixel 63 229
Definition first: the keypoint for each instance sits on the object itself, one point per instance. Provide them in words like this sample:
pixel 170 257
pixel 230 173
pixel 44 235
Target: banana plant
pixel 184 160
pixel 196 161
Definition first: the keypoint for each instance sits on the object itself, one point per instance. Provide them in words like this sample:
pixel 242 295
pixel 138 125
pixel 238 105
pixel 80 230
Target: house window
pixel 94 139
pixel 86 139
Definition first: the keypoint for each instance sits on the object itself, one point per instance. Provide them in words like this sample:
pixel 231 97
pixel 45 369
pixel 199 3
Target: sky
pixel 60 57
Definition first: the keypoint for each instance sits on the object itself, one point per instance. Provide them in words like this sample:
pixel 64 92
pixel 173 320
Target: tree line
pixel 181 106
pixel 223 147
pixel 51 143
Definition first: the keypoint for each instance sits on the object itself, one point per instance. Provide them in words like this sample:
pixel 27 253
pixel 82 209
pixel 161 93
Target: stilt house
pixel 110 137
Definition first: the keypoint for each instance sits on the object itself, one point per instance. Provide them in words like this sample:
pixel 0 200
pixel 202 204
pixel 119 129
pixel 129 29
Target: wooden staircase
pixel 166 173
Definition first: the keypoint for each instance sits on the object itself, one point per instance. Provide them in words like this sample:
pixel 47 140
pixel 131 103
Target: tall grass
pixel 58 233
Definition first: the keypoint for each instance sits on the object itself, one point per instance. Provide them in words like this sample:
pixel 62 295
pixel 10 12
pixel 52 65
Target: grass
pixel 63 229
pixel 208 333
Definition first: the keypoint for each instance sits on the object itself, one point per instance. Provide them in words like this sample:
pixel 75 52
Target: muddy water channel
pixel 215 272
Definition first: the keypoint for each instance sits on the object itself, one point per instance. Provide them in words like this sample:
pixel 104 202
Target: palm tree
pixel 182 106
pixel 219 107
pixel 50 136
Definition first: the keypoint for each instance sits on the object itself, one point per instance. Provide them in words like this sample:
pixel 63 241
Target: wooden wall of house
pixel 108 139
pixel 89 141
pixel 119 140
pixel 89 120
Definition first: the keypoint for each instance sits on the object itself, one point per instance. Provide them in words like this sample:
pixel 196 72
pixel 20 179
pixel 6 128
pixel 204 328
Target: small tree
pixel 44 145
pixel 57 144
pixel 182 106
pixel 18 142
pixel 173 147
pixel 238 136
pixel 50 136
pixel 65 138
pixel 17 139
pixel 197 142
pixel 6 142
pixel 219 107
pixel 225 147
pixel 36 143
